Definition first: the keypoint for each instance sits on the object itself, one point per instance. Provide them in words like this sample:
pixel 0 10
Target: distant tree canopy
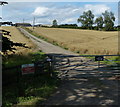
pixel 99 21
pixel 103 22
pixel 4 23
pixel 86 19
pixel 68 26
pixel 106 20
pixel 109 19
pixel 54 23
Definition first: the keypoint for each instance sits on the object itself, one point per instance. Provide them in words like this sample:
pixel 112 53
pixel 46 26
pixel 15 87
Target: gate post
pixel 53 62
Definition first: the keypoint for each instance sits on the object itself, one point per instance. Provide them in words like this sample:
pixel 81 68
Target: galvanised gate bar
pixel 86 65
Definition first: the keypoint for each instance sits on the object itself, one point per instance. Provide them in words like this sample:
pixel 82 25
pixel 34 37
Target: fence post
pixel 53 63
pixel 18 80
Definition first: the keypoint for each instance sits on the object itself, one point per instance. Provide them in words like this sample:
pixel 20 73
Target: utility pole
pixel 33 22
pixel 23 20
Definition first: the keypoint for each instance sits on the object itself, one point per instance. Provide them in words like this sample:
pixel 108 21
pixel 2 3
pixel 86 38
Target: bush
pixel 67 26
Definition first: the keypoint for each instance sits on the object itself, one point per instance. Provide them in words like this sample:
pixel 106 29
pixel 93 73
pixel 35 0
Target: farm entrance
pixel 86 66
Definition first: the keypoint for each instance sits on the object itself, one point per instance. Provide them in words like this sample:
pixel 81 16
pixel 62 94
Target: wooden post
pixel 52 65
pixel 18 80
pixel 53 62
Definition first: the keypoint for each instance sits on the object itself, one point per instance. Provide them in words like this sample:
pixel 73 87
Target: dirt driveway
pixel 80 88
pixel 85 91
pixel 87 85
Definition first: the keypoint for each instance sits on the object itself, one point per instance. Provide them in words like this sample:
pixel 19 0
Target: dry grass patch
pixel 17 36
pixel 82 41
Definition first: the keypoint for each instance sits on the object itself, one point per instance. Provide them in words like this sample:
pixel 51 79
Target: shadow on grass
pixel 20 89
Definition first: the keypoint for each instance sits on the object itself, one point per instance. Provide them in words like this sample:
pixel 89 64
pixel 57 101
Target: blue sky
pixel 46 12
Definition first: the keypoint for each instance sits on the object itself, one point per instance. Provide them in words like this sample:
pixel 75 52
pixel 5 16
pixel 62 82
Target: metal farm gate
pixel 86 65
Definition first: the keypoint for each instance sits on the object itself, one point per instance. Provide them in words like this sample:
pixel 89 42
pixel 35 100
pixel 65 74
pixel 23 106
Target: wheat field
pixel 82 41
pixel 16 36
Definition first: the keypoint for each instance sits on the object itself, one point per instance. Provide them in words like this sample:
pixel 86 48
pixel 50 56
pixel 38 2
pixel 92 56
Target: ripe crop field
pixel 82 41
pixel 16 36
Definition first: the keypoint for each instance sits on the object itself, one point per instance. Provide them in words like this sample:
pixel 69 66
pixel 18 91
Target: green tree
pixel 99 21
pixel 86 19
pixel 54 23
pixel 109 19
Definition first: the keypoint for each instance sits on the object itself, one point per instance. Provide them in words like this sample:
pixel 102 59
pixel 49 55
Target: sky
pixel 45 12
pixel 61 0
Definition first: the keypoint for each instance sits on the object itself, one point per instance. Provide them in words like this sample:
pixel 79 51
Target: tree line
pixel 104 22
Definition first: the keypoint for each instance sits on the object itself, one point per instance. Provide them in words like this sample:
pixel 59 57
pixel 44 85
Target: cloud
pixel 43 20
pixel 63 14
pixel 69 20
pixel 67 14
pixel 63 1
pixel 40 11
pixel 45 13
pixel 97 9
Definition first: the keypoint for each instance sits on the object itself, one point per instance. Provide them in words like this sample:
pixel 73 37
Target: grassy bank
pixel 18 59
pixel 27 89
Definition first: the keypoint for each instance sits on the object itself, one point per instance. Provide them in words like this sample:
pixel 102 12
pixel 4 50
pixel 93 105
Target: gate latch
pixel 99 58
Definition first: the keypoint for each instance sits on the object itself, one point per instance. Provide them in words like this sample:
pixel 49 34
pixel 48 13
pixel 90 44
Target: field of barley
pixel 82 41
pixel 16 36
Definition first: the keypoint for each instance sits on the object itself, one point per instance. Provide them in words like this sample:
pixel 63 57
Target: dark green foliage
pixel 15 61
pixel 68 26
pixel 86 19
pixel 28 88
pixel 99 21
pixel 4 23
pixel 109 19
pixel 25 88
pixel 54 23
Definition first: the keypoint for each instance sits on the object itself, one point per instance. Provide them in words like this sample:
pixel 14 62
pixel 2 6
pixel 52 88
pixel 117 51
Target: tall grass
pixel 27 89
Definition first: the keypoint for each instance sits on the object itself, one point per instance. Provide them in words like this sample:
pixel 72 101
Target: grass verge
pixel 30 90
pixel 27 89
